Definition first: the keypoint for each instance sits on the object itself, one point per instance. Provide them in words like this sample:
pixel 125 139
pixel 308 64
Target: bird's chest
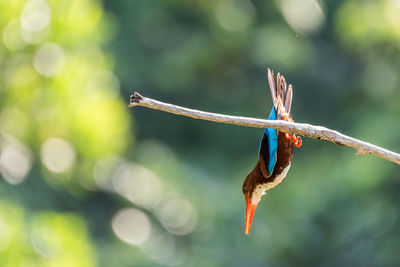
pixel 281 174
pixel 261 188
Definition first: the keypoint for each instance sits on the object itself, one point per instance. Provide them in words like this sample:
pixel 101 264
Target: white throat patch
pixel 260 189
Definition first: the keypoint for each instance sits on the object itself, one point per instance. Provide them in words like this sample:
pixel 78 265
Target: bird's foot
pixel 296 139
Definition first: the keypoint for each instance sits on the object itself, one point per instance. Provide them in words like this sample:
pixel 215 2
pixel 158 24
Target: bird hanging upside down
pixel 276 150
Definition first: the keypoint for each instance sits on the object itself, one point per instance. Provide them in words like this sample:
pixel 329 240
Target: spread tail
pixel 281 93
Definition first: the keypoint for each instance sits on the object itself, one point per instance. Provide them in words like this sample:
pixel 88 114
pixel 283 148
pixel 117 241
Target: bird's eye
pixel 245 190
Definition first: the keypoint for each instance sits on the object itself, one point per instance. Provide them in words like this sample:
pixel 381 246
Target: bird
pixel 275 150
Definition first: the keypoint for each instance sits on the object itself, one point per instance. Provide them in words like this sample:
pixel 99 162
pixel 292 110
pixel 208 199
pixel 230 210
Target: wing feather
pixel 268 148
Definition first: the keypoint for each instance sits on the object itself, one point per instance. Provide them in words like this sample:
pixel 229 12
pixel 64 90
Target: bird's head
pixel 253 190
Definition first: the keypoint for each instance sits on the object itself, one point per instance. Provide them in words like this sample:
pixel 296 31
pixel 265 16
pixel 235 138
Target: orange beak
pixel 250 209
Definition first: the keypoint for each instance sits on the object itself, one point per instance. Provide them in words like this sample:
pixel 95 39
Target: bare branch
pixel 316 132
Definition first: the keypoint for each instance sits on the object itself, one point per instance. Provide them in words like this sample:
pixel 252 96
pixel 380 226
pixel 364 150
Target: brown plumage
pixel 283 159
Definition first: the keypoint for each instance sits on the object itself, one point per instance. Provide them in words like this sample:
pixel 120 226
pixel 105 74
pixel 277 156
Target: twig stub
pixel 134 99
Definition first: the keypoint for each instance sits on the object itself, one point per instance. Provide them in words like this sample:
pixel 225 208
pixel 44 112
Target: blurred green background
pixel 88 182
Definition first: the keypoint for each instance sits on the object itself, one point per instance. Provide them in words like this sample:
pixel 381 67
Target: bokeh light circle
pixel 131 226
pixel 57 154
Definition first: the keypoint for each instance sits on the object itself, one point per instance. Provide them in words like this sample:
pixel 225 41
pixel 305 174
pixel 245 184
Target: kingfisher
pixel 275 151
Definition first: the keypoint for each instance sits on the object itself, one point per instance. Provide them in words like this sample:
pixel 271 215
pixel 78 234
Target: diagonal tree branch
pixel 316 132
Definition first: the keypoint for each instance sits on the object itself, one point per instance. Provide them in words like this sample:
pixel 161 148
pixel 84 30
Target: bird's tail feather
pixel 281 93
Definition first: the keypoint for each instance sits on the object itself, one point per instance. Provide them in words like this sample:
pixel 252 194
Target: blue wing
pixel 268 147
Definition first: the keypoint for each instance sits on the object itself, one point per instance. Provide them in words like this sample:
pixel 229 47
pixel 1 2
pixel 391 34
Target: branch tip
pixel 134 99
